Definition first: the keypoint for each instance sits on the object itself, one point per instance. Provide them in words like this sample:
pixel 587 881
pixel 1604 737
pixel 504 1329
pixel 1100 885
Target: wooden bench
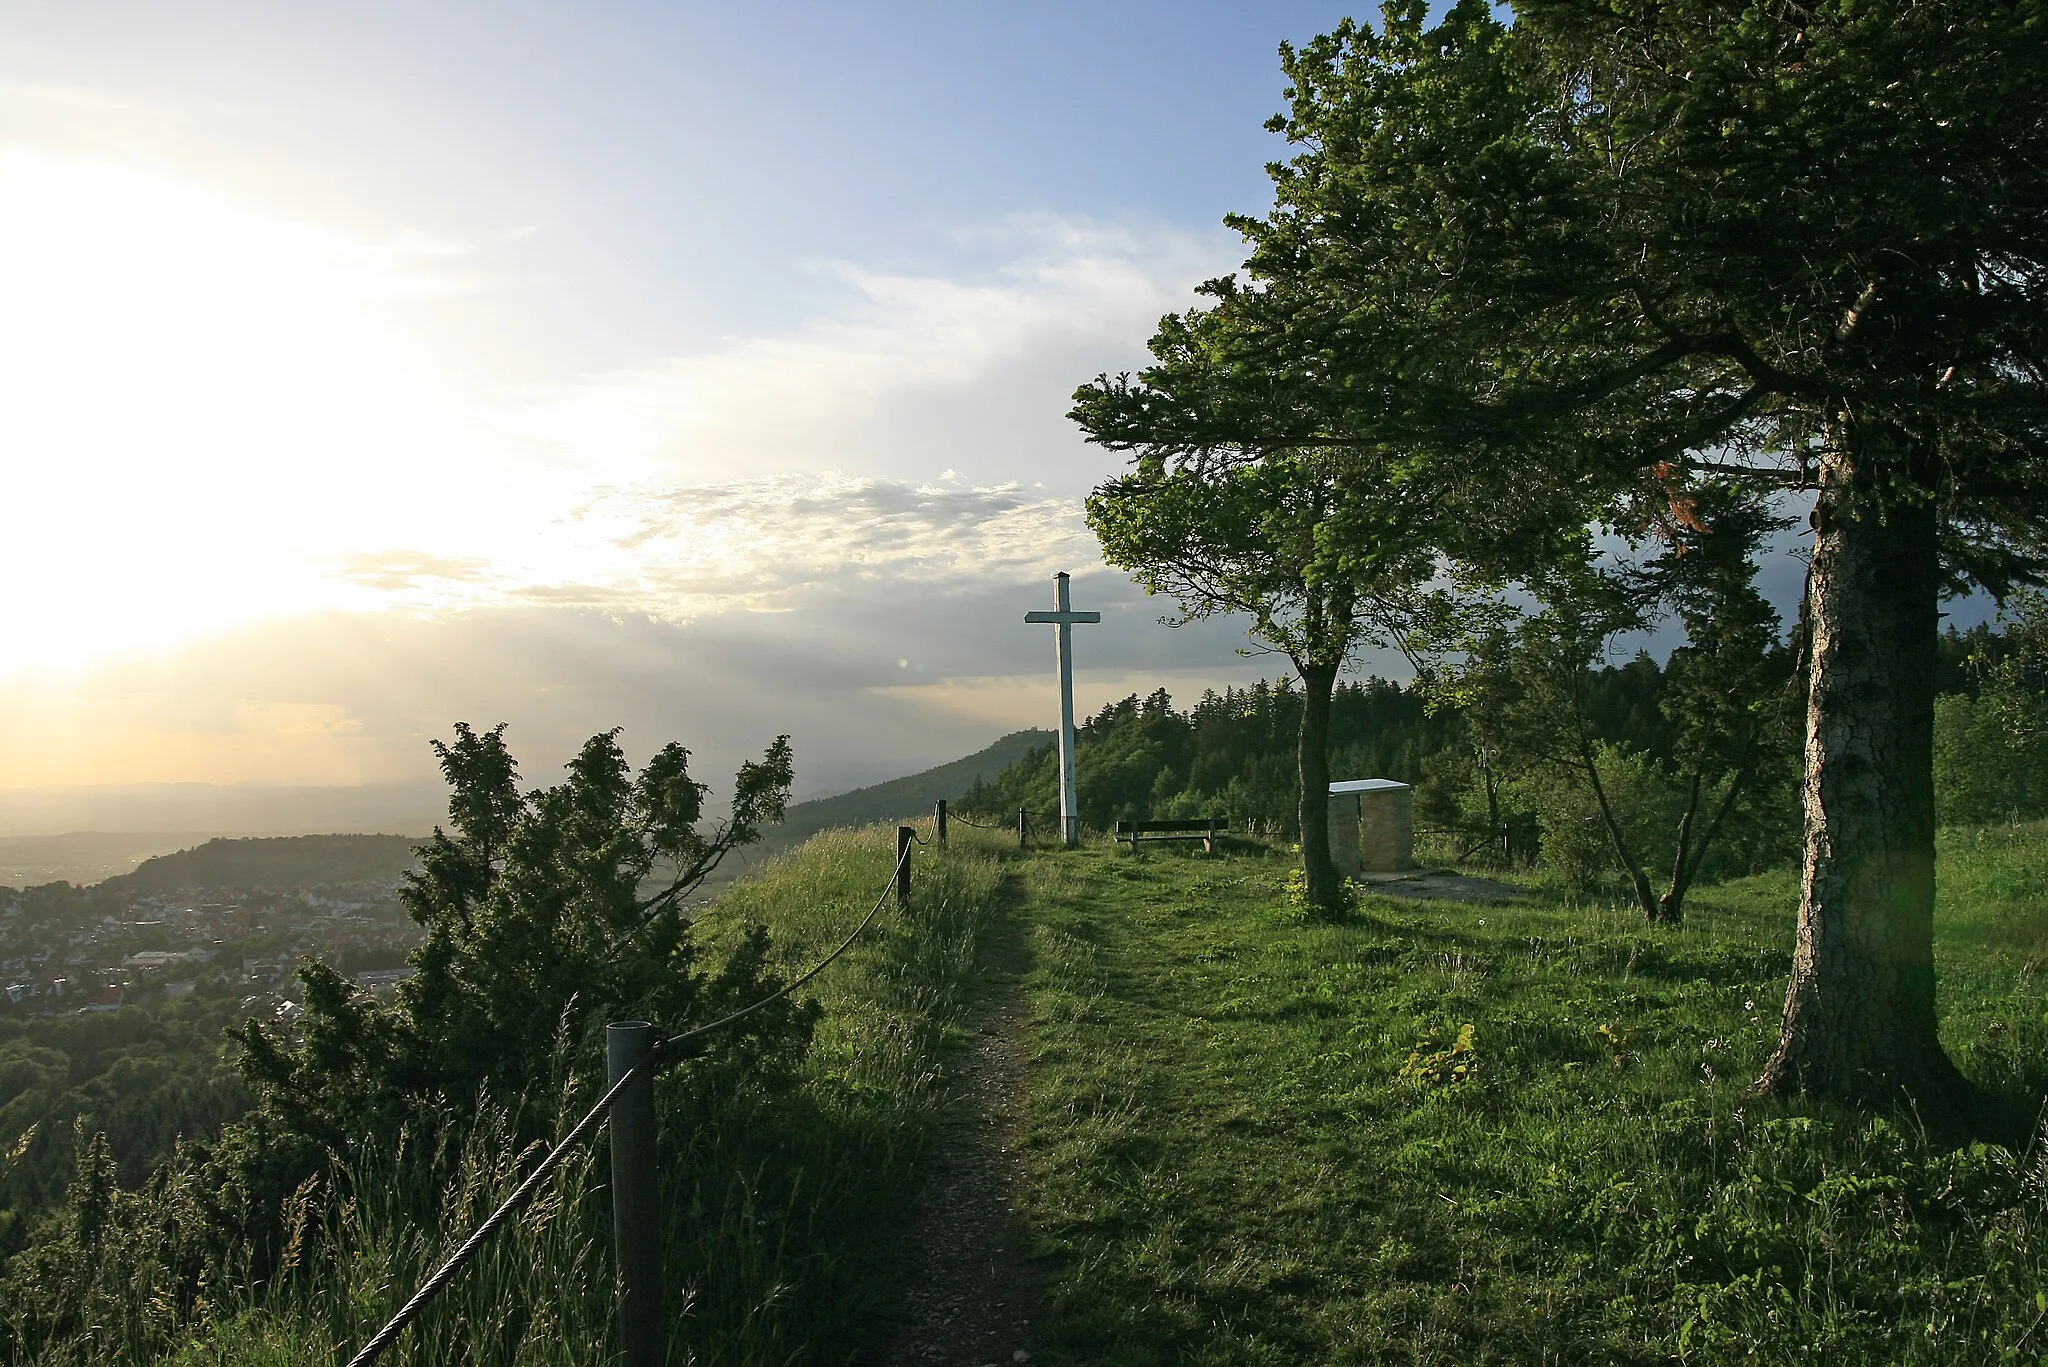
pixel 1204 829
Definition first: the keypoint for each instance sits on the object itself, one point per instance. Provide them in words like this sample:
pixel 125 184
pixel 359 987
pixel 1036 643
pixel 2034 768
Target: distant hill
pixel 899 799
pixel 83 857
pixel 296 861
pixel 234 809
pixel 913 796
pixel 314 860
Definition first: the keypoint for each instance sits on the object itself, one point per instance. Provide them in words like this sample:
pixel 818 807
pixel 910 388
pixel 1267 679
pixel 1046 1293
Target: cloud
pixel 753 543
pixel 877 385
pixel 873 678
pixel 400 572
pixel 832 531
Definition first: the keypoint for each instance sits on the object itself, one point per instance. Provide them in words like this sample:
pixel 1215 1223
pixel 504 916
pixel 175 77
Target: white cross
pixel 1063 616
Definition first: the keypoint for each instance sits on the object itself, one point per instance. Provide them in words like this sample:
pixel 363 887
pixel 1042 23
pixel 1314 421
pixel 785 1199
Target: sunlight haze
pixel 693 370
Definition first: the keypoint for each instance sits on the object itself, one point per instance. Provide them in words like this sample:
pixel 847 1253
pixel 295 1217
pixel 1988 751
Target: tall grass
pixel 784 1206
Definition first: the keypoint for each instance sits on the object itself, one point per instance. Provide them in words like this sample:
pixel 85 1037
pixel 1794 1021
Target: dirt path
pixel 973 1296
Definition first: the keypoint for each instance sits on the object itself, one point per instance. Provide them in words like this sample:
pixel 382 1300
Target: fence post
pixel 636 1197
pixel 904 836
pixel 939 820
pixel 1023 828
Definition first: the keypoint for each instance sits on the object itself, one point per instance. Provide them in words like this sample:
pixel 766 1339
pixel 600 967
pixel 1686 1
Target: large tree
pixel 1613 247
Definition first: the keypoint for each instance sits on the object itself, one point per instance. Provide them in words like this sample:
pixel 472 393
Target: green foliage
pixel 546 914
pixel 1578 260
pixel 783 1205
pixel 1432 1063
pixel 543 914
pixel 139 1080
pixel 1577 850
pixel 1991 750
pixel 1727 752
pixel 1301 907
pixel 1231 754
pixel 1259 537
pixel 1233 1168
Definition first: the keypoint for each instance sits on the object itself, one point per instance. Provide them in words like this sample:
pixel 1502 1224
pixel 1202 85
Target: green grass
pixel 786 1206
pixel 1258 1141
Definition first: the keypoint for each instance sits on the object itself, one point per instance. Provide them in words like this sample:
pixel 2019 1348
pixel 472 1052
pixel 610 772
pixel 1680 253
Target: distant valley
pixel 136 861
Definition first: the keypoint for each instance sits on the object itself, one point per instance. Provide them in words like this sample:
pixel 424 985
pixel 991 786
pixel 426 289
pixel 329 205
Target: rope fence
pixel 942 817
pixel 968 821
pixel 636 1319
pixel 635 1055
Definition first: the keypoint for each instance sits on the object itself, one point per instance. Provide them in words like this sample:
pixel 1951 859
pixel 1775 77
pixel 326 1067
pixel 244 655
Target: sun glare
pixel 201 410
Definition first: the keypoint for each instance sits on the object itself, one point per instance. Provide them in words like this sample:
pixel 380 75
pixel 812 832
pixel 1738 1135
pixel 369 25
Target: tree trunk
pixel 1859 1020
pixel 1325 888
pixel 1639 881
pixel 1671 906
pixel 1494 834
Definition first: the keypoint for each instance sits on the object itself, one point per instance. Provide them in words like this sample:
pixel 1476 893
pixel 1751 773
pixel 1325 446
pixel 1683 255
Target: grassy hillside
pixel 295 861
pixel 785 1199
pixel 909 798
pixel 913 796
pixel 1453 1133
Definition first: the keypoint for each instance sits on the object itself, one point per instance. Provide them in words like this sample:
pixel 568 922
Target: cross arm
pixel 1063 618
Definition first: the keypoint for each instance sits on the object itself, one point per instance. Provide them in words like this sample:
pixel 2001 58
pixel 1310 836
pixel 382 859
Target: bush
pixel 1990 757
pixel 1576 846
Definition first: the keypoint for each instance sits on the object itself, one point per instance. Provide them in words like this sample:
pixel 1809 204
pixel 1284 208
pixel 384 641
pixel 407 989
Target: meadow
pixel 1451 1133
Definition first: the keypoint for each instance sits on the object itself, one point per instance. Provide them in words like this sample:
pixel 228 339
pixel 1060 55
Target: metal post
pixel 636 1196
pixel 939 820
pixel 1023 828
pixel 904 836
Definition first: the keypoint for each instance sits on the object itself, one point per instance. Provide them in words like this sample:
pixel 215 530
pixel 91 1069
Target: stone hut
pixel 1372 826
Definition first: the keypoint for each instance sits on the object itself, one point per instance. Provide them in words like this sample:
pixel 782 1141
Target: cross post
pixel 1063 616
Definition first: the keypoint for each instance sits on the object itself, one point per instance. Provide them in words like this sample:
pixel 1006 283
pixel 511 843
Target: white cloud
pixel 877 386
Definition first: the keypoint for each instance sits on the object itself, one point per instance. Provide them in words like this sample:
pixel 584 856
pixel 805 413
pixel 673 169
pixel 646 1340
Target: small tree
pixel 1254 538
pixel 545 912
pixel 1524 679
pixel 1991 750
pixel 1730 689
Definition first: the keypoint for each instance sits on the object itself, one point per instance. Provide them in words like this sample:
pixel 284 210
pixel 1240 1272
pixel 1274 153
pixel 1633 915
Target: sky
pixel 697 370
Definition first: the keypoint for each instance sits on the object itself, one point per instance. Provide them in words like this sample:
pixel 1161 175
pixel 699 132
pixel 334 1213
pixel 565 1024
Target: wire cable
pixel 388 1335
pixel 794 983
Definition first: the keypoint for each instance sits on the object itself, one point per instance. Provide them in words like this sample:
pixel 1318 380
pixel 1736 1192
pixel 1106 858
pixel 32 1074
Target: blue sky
pixel 697 369
pixel 694 368
pixel 686 162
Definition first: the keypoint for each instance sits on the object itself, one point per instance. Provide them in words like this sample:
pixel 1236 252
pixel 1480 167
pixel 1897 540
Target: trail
pixel 973 1296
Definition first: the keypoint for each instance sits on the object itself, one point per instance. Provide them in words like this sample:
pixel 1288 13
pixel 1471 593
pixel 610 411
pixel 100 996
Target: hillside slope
pixel 293 861
pixel 911 796
pixel 900 799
